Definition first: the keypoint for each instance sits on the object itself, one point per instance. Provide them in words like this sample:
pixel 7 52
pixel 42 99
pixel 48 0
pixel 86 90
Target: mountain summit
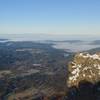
pixel 84 67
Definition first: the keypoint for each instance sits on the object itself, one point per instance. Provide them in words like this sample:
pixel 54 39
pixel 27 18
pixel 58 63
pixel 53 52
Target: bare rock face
pixel 84 67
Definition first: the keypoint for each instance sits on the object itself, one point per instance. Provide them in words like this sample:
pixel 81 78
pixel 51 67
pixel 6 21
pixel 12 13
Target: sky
pixel 68 17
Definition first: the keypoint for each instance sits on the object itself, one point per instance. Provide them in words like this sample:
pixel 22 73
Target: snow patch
pixel 94 56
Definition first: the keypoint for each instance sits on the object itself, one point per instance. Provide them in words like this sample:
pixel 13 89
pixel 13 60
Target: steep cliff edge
pixel 84 67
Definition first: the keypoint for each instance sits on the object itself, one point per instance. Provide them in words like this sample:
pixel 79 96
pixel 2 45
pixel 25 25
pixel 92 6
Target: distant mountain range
pixel 44 36
pixel 68 41
pixel 3 39
pixel 96 42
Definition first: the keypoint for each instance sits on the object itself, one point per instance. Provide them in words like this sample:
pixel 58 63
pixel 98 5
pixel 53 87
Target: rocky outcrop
pixel 84 67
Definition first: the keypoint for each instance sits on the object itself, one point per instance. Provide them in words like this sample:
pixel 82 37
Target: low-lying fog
pixel 42 36
pixel 78 46
pixel 75 47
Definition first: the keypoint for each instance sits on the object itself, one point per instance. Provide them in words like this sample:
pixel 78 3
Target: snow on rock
pixel 95 56
pixel 84 67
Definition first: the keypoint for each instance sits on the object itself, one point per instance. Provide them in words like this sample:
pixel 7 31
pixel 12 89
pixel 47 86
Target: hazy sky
pixel 50 16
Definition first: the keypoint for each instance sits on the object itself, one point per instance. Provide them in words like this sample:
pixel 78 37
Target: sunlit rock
pixel 84 67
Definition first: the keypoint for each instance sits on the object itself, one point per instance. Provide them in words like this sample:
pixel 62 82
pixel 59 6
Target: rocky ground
pixel 84 67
